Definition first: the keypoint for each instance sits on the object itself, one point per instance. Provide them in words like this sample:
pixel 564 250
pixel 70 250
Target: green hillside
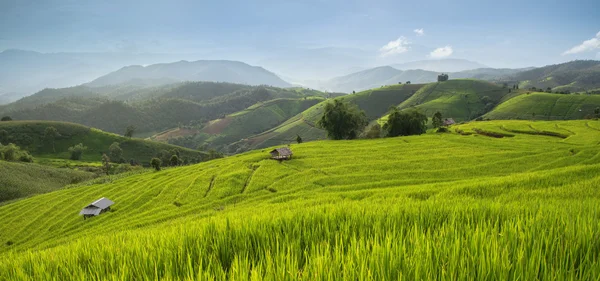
pixel 19 180
pixel 30 136
pixel 429 207
pixel 149 109
pixel 460 99
pixel 545 106
pixel 255 119
pixel 374 102
pixel 574 76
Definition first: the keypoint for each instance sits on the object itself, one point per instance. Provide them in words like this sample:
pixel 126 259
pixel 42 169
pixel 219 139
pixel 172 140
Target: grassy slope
pixel 436 206
pixel 254 119
pixel 546 107
pixel 459 99
pixel 374 102
pixel 19 180
pixel 29 135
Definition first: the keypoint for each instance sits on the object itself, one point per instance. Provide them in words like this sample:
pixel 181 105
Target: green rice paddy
pixel 496 200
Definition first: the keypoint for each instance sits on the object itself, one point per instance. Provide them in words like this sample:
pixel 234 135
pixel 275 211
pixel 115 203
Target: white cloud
pixel 441 52
pixel 399 46
pixel 419 31
pixel 586 46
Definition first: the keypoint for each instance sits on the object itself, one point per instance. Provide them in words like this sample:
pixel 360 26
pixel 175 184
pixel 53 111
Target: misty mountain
pixel 441 65
pixel 202 70
pixel 23 73
pixel 387 75
pixel 376 77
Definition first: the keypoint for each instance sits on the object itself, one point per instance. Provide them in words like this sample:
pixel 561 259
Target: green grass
pixel 19 180
pixel 30 136
pixel 436 206
pixel 460 99
pixel 546 107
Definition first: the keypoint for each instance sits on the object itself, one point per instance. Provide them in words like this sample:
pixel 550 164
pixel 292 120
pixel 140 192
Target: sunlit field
pixel 497 200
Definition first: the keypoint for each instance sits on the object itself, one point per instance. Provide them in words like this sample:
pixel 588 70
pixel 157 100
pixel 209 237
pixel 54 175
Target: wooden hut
pixel 449 121
pixel 282 153
pixel 96 208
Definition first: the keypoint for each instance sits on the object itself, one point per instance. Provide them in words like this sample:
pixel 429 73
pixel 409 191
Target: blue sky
pixel 496 33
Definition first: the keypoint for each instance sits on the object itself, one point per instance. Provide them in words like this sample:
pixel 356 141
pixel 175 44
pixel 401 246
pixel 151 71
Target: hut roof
pixel 282 151
pixel 449 121
pixel 101 203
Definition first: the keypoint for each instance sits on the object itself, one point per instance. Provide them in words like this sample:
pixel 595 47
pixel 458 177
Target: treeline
pixel 344 120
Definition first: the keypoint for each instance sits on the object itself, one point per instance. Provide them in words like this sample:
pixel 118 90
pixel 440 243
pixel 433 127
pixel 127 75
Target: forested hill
pixel 148 109
pixel 202 70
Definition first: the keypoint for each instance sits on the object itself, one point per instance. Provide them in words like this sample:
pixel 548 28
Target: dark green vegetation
pixel 19 180
pixel 405 123
pixel 149 110
pixel 342 121
pixel 545 106
pixel 11 152
pixel 31 135
pixel 428 207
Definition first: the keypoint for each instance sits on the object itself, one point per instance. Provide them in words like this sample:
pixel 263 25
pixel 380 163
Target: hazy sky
pixel 503 33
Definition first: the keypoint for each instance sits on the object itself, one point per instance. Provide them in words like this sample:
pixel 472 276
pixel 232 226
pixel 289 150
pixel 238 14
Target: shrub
pixel 442 130
pixel 342 120
pixel 155 163
pixel 405 123
pixel 77 151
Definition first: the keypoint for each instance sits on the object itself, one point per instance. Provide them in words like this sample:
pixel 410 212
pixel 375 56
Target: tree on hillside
pixel 342 120
pixel 129 131
pixel 105 163
pixel 596 111
pixel 50 135
pixel 374 132
pixel 155 163
pixel 6 118
pixel 115 152
pixel 407 82
pixel 77 151
pixel 405 123
pixel 174 161
pixel 436 120
pixel 298 139
pixel 3 137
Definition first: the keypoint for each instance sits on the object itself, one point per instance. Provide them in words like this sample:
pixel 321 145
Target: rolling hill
pixel 483 206
pixel 460 99
pixel 375 103
pixel 575 76
pixel 219 133
pixel 30 136
pixel 377 77
pixel 150 110
pixel 546 106
pixel 202 70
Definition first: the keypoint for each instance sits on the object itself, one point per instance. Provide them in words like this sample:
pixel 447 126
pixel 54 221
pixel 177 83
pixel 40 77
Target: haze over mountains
pixel 59 70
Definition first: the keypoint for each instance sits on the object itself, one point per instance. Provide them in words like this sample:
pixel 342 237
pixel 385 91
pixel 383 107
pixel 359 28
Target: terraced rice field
pixel 438 206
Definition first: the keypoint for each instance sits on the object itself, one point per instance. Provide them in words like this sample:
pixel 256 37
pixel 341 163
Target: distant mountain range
pixel 442 65
pixel 571 76
pixel 23 73
pixel 202 70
